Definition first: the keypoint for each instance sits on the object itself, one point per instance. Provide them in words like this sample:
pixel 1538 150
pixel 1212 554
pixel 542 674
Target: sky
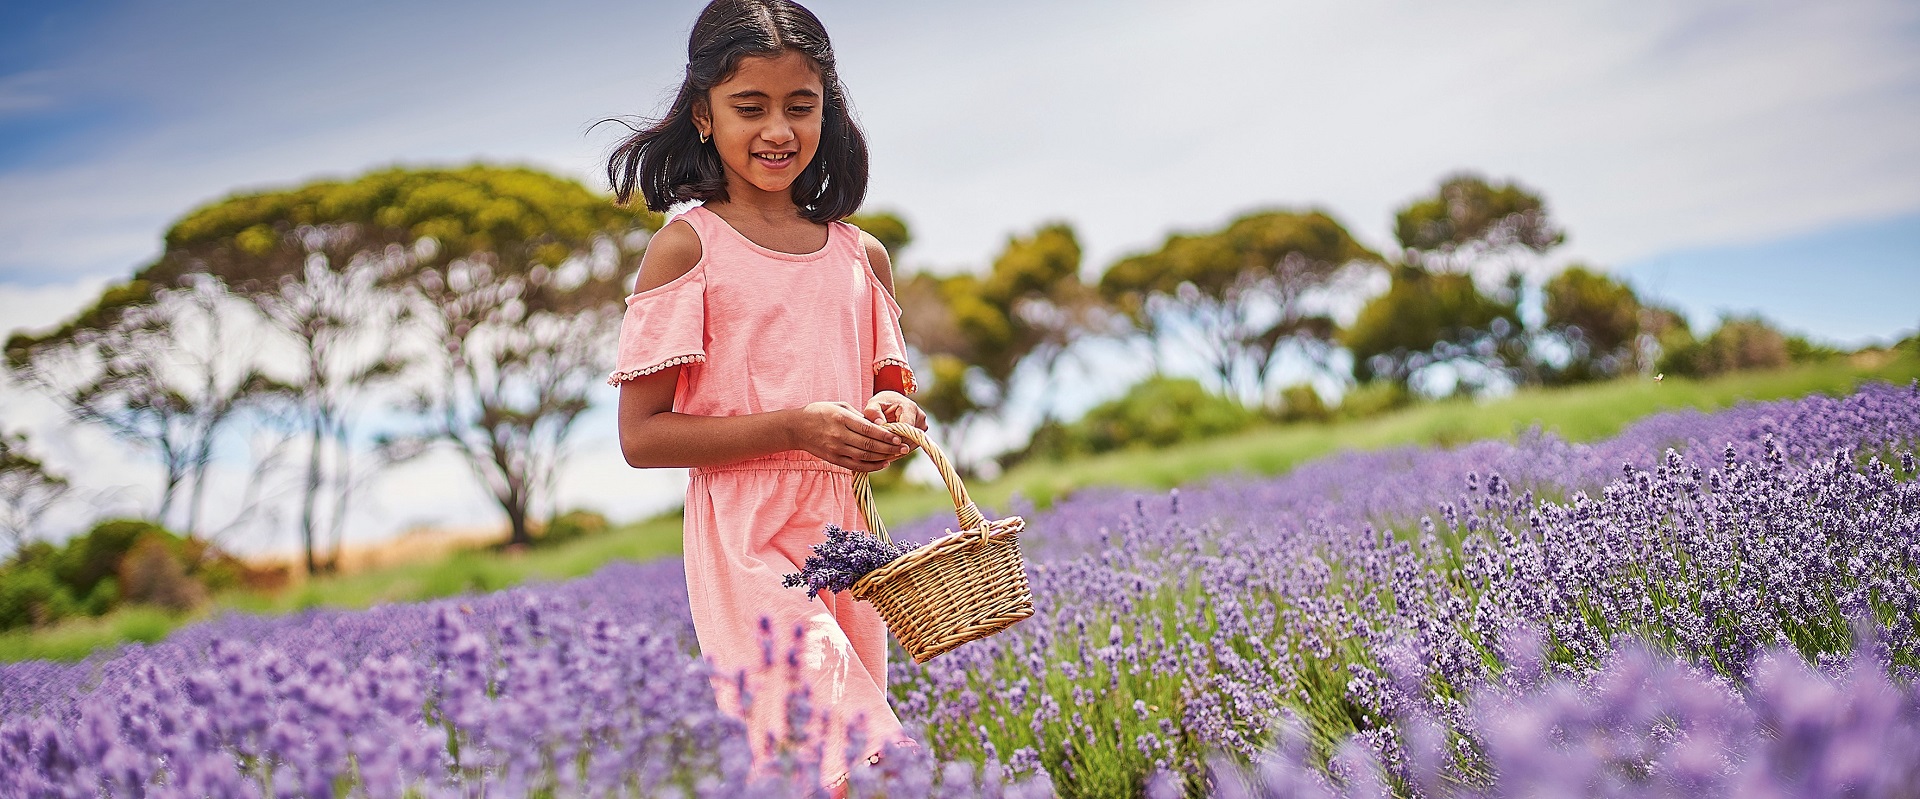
pixel 1754 156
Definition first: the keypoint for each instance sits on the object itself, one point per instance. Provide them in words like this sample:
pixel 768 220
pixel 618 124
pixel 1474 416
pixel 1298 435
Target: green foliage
pixel 1468 214
pixel 95 555
pixel 1302 403
pixel 570 526
pixel 1248 247
pixel 118 562
pixel 524 217
pixel 1425 318
pixel 888 227
pixel 1156 412
pixel 1801 349
pixel 27 489
pixel 1227 284
pixel 977 330
pixel 1368 400
pixel 32 596
pixel 1739 343
pixel 1598 317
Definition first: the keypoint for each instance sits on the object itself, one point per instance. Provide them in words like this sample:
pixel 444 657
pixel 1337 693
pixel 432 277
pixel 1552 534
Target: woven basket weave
pixel 960 587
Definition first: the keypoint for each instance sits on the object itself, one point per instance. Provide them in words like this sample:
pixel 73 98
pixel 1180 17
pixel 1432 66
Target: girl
pixel 761 347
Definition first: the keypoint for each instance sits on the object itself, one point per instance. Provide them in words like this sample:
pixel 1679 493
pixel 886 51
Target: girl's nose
pixel 777 131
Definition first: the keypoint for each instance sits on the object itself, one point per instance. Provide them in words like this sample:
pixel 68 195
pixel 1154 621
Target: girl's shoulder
pixel 875 254
pixel 670 255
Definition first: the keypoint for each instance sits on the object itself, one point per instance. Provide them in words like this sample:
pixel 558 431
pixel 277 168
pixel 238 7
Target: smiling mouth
pixel 774 159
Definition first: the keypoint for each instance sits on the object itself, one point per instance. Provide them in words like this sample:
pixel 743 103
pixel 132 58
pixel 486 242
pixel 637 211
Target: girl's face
pixel 765 122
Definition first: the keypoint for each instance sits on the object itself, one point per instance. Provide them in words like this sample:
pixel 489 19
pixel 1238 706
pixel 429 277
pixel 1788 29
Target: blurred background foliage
pixel 344 326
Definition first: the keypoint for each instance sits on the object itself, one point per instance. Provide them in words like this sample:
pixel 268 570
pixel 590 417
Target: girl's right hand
pixel 840 435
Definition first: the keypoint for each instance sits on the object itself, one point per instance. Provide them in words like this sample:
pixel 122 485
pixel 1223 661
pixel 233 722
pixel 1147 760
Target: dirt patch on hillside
pixel 418 545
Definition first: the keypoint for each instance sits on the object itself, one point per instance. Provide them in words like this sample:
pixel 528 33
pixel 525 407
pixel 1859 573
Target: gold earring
pixel 703 137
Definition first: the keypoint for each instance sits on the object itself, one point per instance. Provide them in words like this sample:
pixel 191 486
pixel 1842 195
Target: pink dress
pixel 760 330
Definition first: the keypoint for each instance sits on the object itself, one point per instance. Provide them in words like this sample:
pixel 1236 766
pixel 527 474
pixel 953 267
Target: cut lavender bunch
pixel 841 560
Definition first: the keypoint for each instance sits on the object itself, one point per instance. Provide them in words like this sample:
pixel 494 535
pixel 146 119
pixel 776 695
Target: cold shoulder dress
pixel 761 330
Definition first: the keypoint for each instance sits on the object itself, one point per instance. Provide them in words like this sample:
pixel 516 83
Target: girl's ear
pixel 702 119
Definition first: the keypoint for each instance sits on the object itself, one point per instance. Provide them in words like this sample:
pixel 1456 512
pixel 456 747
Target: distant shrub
pixel 95 555
pixel 118 562
pixel 1156 412
pixel 1739 344
pixel 1303 404
pixel 152 574
pixel 30 596
pixel 572 525
pixel 1375 398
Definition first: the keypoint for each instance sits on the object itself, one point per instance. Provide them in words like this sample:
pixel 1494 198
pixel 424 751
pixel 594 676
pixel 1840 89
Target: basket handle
pixel 963 507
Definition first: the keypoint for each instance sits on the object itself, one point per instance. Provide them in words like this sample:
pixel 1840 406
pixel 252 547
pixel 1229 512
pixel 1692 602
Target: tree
pixel 508 280
pixel 1738 344
pixel 1246 290
pixel 888 227
pixel 1433 312
pixel 155 366
pixel 1598 318
pixel 520 300
pixel 1428 318
pixel 978 331
pixel 1468 221
pixel 328 287
pixel 28 489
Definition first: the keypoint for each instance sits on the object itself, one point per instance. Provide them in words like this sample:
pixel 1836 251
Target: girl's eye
pixel 801 109
pixel 747 110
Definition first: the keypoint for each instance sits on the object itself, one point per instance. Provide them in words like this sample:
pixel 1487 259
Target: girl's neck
pixel 768 210
pixel 781 229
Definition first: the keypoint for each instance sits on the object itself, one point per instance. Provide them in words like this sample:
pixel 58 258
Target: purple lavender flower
pixel 841 560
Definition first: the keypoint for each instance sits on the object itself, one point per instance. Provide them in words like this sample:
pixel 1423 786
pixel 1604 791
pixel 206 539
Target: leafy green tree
pixel 1433 313
pixel 521 298
pixel 979 331
pixel 154 365
pixel 1427 318
pixel 1598 318
pixel 1740 343
pixel 1247 290
pixel 1468 220
pixel 509 279
pixel 888 227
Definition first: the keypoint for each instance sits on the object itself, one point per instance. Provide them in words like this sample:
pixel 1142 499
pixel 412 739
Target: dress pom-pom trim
pixel 621 377
pixel 906 372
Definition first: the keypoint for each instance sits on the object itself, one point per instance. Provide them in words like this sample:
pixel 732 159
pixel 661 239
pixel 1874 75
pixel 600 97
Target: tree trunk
pixel 517 518
pixel 310 496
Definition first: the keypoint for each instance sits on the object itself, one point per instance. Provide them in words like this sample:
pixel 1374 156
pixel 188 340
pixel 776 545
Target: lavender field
pixel 1705 605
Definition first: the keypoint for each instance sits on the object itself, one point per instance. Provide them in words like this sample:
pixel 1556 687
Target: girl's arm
pixel 890 402
pixel 651 434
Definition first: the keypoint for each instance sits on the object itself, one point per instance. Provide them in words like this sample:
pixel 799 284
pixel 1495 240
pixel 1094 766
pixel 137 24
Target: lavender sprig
pixel 841 560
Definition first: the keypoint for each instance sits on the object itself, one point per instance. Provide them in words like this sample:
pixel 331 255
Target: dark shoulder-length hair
pixel 668 163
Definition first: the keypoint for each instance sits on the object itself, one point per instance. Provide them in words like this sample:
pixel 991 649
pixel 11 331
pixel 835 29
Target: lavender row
pixel 1197 620
pixel 1643 725
pixel 1169 628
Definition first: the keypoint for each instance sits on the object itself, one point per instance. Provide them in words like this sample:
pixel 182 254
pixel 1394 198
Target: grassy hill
pixel 1581 413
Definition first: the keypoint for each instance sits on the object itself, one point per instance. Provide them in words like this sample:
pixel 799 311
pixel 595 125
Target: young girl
pixel 761 347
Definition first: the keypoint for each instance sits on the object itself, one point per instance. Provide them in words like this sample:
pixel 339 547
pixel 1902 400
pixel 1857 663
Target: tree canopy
pixel 1246 289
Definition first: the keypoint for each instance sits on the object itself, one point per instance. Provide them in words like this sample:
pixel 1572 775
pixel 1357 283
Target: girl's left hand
pixel 892 406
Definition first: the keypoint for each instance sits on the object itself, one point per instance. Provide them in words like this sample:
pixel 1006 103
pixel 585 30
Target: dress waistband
pixel 793 460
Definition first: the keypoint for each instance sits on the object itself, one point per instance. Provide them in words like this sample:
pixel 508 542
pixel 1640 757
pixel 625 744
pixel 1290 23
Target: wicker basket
pixel 960 587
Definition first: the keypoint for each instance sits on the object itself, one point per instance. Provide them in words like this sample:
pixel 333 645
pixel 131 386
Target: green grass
pixel 75 639
pixel 1581 413
pixel 470 570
